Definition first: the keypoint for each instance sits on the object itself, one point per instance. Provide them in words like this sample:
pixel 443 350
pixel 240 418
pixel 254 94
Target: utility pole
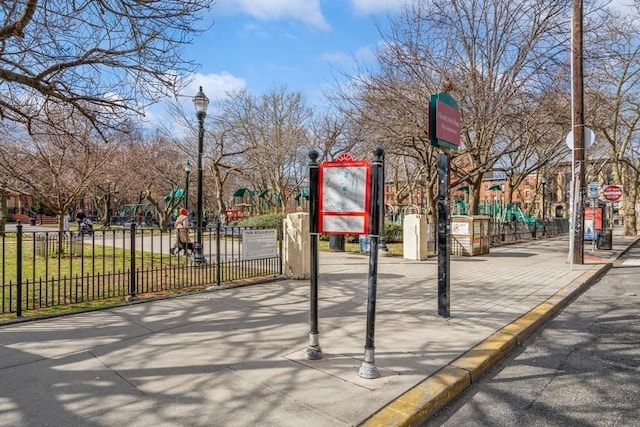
pixel 577 122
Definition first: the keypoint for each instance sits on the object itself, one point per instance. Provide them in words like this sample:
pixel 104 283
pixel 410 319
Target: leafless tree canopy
pixel 102 58
pixel 612 95
pixel 273 127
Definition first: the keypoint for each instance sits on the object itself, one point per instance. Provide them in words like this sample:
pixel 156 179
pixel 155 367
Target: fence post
pixel 280 234
pixel 19 269
pixel 218 252
pixel 132 265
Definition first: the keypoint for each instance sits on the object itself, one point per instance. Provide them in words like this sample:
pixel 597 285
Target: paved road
pixel 148 240
pixel 582 370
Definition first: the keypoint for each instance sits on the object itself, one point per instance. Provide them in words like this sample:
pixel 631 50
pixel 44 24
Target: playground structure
pixel 499 211
pixel 247 202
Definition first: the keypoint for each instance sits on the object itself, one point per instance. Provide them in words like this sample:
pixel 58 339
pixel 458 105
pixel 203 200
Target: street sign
pixel 593 190
pixel 589 137
pixel 444 121
pixel 612 193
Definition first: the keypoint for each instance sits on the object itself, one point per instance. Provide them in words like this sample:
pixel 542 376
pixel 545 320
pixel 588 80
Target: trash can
pixel 336 242
pixel 605 239
pixel 32 221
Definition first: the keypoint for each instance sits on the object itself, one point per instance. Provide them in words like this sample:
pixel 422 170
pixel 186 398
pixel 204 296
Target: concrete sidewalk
pixel 235 356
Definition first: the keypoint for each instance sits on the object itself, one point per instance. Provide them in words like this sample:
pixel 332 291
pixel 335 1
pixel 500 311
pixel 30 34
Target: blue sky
pixel 303 44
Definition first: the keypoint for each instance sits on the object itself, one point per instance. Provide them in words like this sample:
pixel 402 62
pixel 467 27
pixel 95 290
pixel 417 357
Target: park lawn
pixel 84 259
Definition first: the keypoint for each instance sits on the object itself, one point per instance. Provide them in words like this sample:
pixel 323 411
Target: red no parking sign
pixel 612 193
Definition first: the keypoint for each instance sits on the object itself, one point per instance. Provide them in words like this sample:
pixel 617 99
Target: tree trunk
pixel 629 211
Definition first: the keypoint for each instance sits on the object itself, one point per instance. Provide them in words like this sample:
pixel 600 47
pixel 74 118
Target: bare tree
pixel 613 100
pixel 222 150
pixel 489 54
pixel 332 133
pixel 56 168
pixel 157 166
pixel 274 128
pixel 101 59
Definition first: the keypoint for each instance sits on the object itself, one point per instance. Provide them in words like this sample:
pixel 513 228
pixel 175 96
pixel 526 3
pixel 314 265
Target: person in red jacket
pixel 182 239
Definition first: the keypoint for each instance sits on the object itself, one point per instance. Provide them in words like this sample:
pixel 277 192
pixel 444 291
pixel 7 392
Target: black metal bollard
pixel 368 369
pixel 314 352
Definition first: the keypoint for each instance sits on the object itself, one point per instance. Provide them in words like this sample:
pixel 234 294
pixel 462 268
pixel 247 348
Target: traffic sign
pixel 593 190
pixel 612 193
pixel 589 136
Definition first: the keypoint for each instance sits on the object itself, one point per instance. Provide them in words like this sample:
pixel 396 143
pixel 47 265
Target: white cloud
pixel 372 7
pixel 306 11
pixel 337 58
pixel 215 86
pixel 366 54
pixel 361 56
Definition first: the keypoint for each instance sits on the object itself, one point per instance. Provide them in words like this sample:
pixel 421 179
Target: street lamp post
pixel 201 102
pixel 187 171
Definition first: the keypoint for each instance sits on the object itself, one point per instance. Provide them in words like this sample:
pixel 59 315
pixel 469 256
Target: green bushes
pixel 392 230
pixel 264 221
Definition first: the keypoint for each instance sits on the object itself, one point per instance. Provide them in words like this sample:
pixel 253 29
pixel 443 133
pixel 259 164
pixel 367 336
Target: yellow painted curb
pixel 486 354
pixel 415 406
pixel 525 325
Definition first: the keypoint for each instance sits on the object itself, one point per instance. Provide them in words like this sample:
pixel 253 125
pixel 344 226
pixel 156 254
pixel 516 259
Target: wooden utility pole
pixel 577 121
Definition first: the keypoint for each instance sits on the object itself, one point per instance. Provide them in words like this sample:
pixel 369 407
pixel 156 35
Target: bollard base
pixel 131 298
pixel 368 370
pixel 314 352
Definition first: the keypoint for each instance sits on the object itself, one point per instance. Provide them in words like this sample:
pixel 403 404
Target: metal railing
pixel 41 270
pixel 502 232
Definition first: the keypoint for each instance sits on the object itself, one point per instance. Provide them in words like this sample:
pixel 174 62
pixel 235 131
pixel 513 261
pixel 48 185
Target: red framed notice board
pixel 344 192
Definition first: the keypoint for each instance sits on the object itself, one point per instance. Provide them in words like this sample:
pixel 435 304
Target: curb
pixel 424 400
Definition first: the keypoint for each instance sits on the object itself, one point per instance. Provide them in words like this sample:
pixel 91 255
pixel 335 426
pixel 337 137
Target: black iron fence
pixel 502 232
pixel 41 270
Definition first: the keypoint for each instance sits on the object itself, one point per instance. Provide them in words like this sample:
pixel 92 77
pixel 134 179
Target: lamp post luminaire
pixel 201 102
pixel 187 171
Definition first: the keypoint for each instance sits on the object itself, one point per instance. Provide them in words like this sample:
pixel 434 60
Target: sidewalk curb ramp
pixel 423 401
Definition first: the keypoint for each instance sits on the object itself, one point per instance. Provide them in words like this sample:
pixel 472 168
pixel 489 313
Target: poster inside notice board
pixel 344 196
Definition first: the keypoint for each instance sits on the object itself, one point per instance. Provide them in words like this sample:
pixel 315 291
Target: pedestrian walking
pixel 182 238
pixel 65 221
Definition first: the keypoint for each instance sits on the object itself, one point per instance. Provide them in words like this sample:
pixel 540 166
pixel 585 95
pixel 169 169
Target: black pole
pixel 383 209
pixel 368 369
pixel 577 121
pixel 198 256
pixel 443 236
pixel 132 264
pixel 186 191
pixel 218 257
pixel 314 352
pixel 19 269
pixel 544 209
